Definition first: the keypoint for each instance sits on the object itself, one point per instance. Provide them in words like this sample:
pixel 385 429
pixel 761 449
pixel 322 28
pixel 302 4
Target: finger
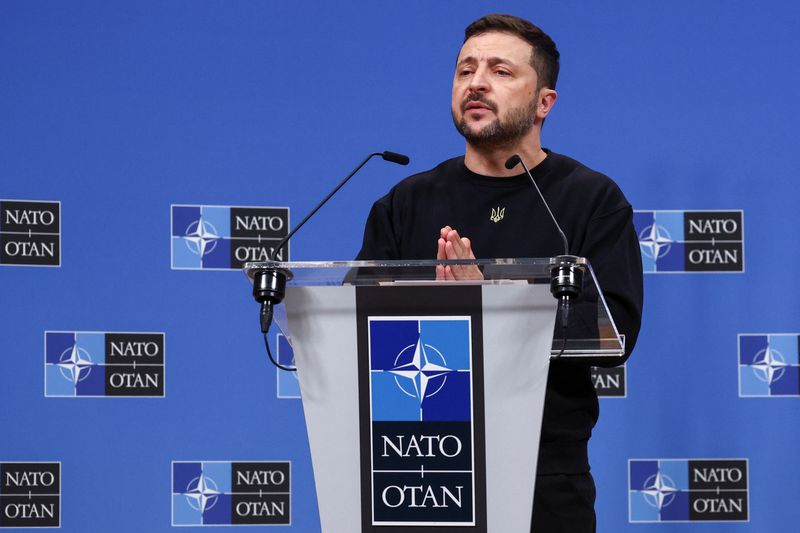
pixel 444 231
pixel 464 272
pixel 450 251
pixel 458 271
pixel 448 273
pixel 468 246
pixel 440 273
pixel 458 246
pixel 440 253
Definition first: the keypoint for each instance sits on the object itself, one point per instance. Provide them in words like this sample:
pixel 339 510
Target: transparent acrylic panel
pixel 591 331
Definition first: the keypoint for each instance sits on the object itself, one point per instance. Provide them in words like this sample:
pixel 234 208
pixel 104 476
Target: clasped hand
pixel 452 246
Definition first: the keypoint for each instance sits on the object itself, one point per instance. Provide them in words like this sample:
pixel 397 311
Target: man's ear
pixel 545 102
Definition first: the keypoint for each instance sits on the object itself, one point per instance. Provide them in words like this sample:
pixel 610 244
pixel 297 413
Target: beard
pixel 503 131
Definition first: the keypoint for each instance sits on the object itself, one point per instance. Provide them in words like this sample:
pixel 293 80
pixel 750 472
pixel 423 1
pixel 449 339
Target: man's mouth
pixel 477 105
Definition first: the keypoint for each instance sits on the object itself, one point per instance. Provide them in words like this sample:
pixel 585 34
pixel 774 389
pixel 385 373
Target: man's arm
pixel 612 247
pixel 379 237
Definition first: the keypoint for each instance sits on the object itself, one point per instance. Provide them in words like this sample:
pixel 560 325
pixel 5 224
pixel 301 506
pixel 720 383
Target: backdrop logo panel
pixel 288 385
pixel 769 365
pixel 30 233
pixel 30 495
pixel 688 490
pixel 213 237
pixel 206 493
pixel 610 382
pixel 690 241
pixel 97 364
pixel 423 471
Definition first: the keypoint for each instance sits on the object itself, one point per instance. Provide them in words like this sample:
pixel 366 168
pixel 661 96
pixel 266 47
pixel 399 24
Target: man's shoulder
pixel 575 175
pixel 564 165
pixel 435 176
pixel 423 184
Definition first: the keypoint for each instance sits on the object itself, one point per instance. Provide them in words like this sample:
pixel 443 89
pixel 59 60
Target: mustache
pixel 478 97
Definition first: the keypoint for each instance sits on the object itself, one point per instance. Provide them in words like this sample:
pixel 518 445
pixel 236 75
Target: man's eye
pixel 503 73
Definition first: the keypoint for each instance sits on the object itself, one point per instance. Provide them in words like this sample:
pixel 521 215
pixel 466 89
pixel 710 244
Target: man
pixel 503 89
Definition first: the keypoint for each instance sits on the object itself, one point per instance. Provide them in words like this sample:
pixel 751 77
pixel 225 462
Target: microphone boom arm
pixel 283 242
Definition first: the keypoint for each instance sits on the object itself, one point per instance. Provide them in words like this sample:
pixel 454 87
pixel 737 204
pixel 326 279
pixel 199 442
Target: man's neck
pixel 491 161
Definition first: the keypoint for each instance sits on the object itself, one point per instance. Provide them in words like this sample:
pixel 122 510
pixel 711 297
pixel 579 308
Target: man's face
pixel 494 89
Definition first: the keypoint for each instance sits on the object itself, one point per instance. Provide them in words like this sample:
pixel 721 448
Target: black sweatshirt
pixel 597 220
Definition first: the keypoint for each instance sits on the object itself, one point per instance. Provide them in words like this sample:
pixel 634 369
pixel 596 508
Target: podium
pixel 423 399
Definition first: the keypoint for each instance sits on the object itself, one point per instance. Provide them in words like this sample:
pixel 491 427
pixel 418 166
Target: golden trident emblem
pixel 497 214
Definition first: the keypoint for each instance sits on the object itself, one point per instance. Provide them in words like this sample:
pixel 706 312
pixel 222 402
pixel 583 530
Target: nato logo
pixel 769 365
pixel 97 364
pixel 288 383
pixel 690 241
pixel 213 493
pixel 213 237
pixel 30 233
pixel 422 433
pixel 688 490
pixel 610 382
pixel 30 494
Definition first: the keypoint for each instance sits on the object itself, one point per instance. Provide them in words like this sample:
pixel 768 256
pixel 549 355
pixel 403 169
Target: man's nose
pixel 479 81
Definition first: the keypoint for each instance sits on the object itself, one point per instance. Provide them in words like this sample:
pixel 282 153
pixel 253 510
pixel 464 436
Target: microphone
pixel 566 276
pixel 269 284
pixel 394 157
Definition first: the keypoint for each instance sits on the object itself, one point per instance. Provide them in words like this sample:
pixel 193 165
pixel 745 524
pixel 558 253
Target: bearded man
pixel 503 89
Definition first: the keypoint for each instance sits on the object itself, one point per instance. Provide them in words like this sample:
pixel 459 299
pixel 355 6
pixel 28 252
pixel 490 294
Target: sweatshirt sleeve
pixel 613 250
pixel 380 240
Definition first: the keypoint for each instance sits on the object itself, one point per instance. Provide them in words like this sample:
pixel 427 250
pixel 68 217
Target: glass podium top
pixel 591 331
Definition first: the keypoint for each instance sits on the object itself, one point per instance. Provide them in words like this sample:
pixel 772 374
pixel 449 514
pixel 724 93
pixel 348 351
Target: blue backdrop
pixel 119 110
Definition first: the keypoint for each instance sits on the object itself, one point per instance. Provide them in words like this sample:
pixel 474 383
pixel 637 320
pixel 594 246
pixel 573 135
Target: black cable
pixel 272 359
pixel 563 304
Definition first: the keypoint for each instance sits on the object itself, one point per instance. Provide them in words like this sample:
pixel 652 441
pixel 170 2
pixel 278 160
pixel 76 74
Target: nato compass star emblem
pixel 769 365
pixel 202 493
pixel 201 237
pixel 659 490
pixel 655 241
pixel 75 364
pixel 416 374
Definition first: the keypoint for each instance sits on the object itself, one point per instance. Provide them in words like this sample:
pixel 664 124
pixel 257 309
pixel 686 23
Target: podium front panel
pixel 423 402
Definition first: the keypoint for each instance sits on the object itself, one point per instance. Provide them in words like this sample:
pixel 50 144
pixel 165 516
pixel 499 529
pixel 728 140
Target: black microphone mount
pixel 269 288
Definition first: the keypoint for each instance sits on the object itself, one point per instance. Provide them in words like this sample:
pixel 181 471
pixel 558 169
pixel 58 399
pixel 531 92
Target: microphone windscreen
pixel 512 161
pixel 394 157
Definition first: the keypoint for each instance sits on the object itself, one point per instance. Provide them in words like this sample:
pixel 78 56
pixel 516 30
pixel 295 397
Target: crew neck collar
pixel 511 181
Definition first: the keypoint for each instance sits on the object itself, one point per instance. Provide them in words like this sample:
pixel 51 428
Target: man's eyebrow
pixel 500 61
pixel 471 60
pixel 466 60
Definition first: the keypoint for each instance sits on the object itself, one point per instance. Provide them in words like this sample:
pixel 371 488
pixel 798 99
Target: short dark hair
pixel 544 56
